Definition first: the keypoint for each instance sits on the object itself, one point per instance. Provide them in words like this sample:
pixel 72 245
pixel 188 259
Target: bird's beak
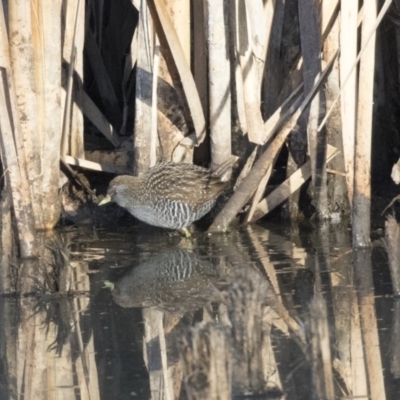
pixel 106 200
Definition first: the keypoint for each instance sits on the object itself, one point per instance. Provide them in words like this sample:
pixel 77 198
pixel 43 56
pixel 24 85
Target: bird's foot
pixel 185 232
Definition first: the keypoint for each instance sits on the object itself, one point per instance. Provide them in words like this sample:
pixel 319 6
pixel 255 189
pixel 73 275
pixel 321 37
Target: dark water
pixel 259 313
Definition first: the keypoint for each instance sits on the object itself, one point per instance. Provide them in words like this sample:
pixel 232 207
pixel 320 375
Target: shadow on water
pixel 255 314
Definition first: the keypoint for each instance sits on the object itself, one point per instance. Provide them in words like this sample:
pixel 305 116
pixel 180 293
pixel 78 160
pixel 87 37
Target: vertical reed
pixel 22 55
pixel 348 49
pixel 168 90
pixel 16 179
pixel 311 45
pixel 13 152
pixel 73 18
pixel 143 105
pixel 337 189
pixel 46 27
pixel 363 140
pixel 219 75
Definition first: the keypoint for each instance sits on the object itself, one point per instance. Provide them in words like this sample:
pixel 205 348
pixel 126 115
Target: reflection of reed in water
pixel 47 355
pixel 174 280
pixel 392 244
pixel 233 356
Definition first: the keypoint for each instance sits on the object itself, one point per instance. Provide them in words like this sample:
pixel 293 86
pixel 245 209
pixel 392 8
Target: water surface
pixel 264 312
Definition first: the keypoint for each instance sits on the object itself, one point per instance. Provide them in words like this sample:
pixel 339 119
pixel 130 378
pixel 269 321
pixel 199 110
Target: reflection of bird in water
pixel 170 195
pixel 175 280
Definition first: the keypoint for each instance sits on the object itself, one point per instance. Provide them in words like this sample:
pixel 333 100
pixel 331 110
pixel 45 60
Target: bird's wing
pixel 191 184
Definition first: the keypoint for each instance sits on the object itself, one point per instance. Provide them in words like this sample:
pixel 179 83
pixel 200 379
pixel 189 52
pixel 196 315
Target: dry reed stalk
pixel 252 180
pixel 297 146
pixel 171 108
pixel 337 188
pixel 237 91
pixel 17 179
pixel 179 10
pixel 9 346
pixel 260 22
pixel 398 49
pixel 153 134
pixel 329 14
pixel 281 114
pixel 107 94
pixel 348 54
pixel 22 54
pixel 219 77
pixel 369 36
pixel 369 324
pixel 310 47
pixel 271 126
pixel 274 74
pixel 287 188
pixel 363 141
pixel 247 167
pixel 365 45
pixel 94 166
pixel 259 193
pixel 250 70
pixel 47 52
pixel 143 106
pixel 260 16
pixel 127 85
pixel 73 15
pixel 175 53
pixel 35 60
pixel 98 119
pixel 67 95
pixel 5 62
pixel 200 64
pixel 13 147
pixel 7 246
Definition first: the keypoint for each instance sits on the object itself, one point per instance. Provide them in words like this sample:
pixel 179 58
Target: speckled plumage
pixel 170 195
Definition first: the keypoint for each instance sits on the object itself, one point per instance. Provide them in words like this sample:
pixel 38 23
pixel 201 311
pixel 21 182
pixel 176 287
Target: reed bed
pixel 271 82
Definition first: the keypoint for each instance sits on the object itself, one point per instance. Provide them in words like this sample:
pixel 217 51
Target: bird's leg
pixel 185 232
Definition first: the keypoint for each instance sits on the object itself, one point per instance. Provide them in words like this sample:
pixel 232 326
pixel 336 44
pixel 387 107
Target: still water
pixel 264 312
